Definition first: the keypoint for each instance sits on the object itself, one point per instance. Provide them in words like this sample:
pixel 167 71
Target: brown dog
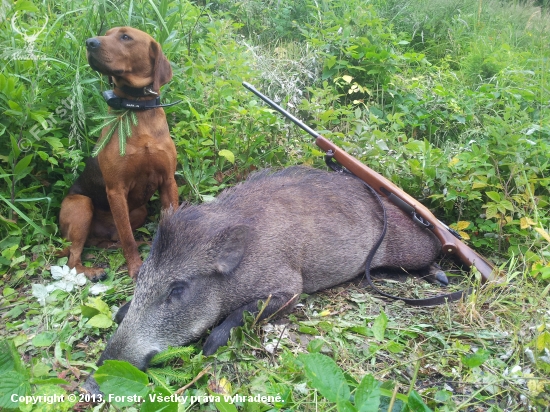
pixel 107 201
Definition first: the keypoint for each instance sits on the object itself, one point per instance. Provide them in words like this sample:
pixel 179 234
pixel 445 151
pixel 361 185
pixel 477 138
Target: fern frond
pixel 101 144
pixel 108 120
pixel 171 354
pixel 118 120
pixel 121 137
pixel 159 380
pixel 171 375
pixel 127 126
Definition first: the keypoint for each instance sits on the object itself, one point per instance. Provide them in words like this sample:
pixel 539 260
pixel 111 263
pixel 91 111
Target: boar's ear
pixel 228 248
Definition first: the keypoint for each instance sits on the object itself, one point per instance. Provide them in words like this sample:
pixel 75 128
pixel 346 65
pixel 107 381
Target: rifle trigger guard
pixel 419 220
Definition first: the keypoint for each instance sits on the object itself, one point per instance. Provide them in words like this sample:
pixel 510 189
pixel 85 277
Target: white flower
pixel 59 272
pixel 98 288
pixel 40 292
pixel 66 278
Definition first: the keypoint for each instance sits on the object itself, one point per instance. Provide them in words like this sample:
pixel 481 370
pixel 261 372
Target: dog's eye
pixel 125 37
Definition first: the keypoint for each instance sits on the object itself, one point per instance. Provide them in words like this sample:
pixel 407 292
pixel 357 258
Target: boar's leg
pixel 121 313
pixel 220 334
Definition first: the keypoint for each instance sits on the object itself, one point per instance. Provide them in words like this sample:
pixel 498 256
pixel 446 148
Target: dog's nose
pixel 92 43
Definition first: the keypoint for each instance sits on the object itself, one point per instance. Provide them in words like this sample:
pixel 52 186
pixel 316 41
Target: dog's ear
pixel 162 72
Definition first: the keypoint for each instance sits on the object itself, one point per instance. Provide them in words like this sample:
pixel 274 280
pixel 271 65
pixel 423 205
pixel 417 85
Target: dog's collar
pixel 118 103
pixel 135 91
pixel 138 91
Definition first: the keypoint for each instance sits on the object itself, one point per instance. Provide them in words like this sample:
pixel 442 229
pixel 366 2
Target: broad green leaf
pixel 325 376
pixel 315 345
pixel 122 379
pixel 98 304
pixel 88 311
pixel 543 341
pixel 21 165
pixel 379 326
pixel 12 383
pixel 395 347
pixel 343 405
pixel 9 358
pixel 491 211
pixel 475 359
pixel 416 404
pixel 25 5
pixel 100 321
pixel 44 339
pixel 494 196
pixel 159 400
pixel 7 292
pixel 228 155
pixel 367 395
pixel 224 406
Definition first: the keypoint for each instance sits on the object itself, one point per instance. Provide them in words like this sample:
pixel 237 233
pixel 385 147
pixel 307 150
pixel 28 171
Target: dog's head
pixel 130 56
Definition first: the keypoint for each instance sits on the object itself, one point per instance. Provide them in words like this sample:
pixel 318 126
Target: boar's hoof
pixel 437 276
pixel 218 337
pixel 91 386
pixel 121 313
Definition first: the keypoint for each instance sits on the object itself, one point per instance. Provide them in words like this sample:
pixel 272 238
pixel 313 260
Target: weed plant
pixel 448 99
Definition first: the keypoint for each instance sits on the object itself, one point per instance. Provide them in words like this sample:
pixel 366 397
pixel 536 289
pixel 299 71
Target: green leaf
pixel 159 400
pixel 224 406
pixel 228 154
pixel 416 404
pixel 122 379
pixel 324 375
pixel 367 395
pixel 475 359
pixel 12 383
pixel 494 196
pixel 9 358
pixel 100 321
pixel 307 329
pixel 344 405
pixel 98 304
pixel 88 311
pixel 25 5
pixel 395 347
pixel 44 339
pixel 22 165
pixel 379 326
pixel 50 381
pixel 315 345
pixel 543 341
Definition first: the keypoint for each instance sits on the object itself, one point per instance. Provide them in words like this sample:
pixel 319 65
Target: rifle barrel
pixel 281 110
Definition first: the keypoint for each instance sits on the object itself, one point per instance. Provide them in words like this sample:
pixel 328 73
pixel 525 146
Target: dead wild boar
pixel 277 234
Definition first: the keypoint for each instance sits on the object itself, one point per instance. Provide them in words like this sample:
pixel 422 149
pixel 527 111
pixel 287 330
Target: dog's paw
pixel 95 274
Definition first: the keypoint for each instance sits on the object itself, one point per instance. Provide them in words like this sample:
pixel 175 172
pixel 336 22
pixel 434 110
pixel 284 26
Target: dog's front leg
pixel 119 208
pixel 169 193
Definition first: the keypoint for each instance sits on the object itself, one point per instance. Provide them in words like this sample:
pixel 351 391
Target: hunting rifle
pixel 450 241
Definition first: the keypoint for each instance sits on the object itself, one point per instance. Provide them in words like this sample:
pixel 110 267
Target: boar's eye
pixel 178 290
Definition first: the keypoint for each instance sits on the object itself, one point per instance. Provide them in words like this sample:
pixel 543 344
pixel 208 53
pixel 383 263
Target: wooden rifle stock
pixel 450 243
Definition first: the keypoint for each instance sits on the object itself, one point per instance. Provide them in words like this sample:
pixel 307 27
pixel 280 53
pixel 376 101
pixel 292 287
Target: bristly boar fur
pixel 277 234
